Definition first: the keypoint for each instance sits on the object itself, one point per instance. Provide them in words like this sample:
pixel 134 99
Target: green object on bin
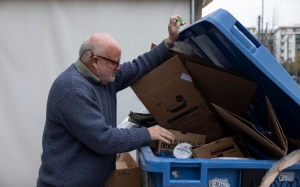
pixel 180 21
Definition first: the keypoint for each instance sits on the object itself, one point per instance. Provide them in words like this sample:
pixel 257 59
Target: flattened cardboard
pixel 276 149
pixel 191 138
pixel 169 94
pixel 218 85
pixel 227 90
pixel 127 172
pixel 275 128
pixel 225 147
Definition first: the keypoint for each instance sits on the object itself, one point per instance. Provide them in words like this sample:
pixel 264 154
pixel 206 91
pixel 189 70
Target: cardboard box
pixel 127 172
pixel 225 147
pixel 251 135
pixel 191 138
pixel 169 94
pixel 215 84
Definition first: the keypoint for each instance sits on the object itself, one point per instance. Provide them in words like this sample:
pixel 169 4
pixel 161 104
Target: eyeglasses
pixel 111 61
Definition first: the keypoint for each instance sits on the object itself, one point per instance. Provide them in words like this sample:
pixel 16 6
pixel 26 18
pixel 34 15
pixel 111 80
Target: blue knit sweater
pixel 80 139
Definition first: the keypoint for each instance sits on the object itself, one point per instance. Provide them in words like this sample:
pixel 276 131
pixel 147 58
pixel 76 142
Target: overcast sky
pixel 247 11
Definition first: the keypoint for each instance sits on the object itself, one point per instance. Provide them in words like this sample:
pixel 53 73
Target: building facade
pixel 283 43
pixel 286 44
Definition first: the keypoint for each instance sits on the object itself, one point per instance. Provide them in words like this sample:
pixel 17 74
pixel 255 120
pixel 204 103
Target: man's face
pixel 105 61
pixel 107 65
pixel 106 70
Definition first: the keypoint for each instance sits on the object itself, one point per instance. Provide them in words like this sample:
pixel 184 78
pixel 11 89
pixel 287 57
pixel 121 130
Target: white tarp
pixel 38 40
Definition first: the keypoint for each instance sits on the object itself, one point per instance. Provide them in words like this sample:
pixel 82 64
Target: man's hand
pixel 159 133
pixel 173 28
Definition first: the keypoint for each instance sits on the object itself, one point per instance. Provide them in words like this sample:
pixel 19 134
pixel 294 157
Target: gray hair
pixel 97 47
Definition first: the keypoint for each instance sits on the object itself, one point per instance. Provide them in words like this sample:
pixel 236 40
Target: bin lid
pixel 222 40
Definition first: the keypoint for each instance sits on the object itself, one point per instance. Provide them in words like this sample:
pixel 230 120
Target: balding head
pixel 100 44
pixel 101 54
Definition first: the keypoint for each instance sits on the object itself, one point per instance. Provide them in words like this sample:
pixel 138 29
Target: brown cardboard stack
pixel 171 97
pixel 171 94
pixel 190 95
pixel 276 149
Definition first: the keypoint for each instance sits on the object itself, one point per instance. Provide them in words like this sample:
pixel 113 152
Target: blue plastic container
pixel 196 172
pixel 222 40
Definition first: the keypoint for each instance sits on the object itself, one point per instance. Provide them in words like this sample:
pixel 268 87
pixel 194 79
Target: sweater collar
pixel 86 72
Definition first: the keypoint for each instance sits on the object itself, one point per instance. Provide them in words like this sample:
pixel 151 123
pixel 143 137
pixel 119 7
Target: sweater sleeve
pixel 81 116
pixel 130 72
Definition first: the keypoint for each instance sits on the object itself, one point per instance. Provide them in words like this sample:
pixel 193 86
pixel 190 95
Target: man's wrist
pixel 168 43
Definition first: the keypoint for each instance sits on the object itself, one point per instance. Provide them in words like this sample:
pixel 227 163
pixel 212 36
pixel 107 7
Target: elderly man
pixel 80 139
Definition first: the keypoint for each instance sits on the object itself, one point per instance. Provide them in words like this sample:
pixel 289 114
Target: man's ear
pixel 94 62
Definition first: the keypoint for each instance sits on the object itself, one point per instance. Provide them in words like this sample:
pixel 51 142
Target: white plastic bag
pixel 127 124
